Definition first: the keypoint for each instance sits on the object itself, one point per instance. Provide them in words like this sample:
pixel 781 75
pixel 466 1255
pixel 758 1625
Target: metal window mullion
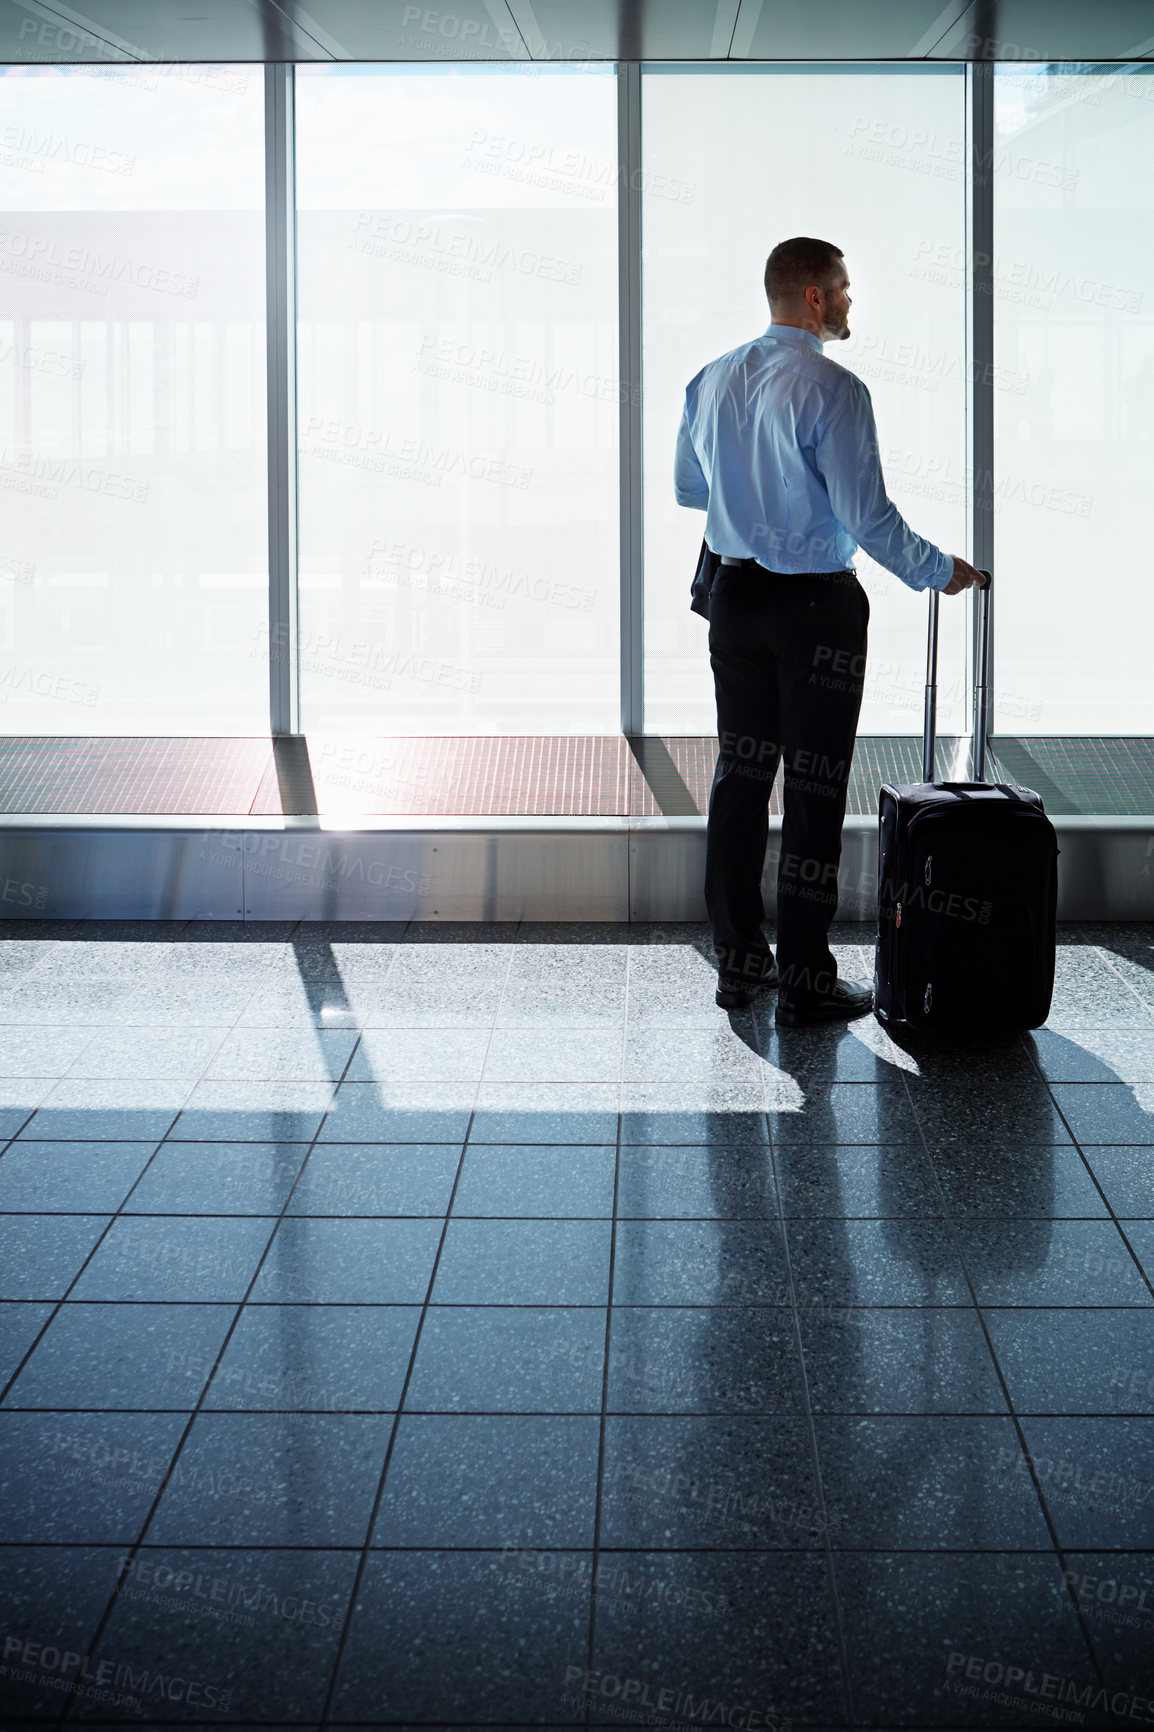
pixel 980 75
pixel 280 321
pixel 629 373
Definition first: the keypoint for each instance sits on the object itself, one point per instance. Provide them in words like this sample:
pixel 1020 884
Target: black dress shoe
pixel 848 998
pixel 735 992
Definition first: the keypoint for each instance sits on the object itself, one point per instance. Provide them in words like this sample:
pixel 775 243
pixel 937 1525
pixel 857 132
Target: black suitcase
pixel 967 887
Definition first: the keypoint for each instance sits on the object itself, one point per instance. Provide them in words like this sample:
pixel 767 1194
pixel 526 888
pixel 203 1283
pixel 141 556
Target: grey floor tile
pixel 1095 1477
pixel 685 1182
pixel 962 1115
pixel 524 1263
pixel 444 1003
pixel 672 986
pixel 298 1007
pixel 565 986
pixel 18 1104
pixel 182 1054
pixel 377 1179
pixel 1090 992
pixel 181 1003
pixel 1129 957
pixel 41 1255
pixel 857 1181
pixel 875 1262
pixel 54 1597
pixel 430 1055
pixel 41 1052
pixel 1023 1179
pixel 392 1112
pixel 737 1627
pixel 257 1112
pixel 1141 1237
pixel 156 1257
pixel 1050 1263
pixel 1115 1596
pixel 493 1359
pixel 349 1262
pixel 297 1479
pixel 82 1479
pixel 1075 1361
pixel 924 1359
pixel 316 1358
pixel 1094 1055
pixel 475 945
pixel 86 1004
pixel 552 1055
pixel 921 1482
pixel 719 1483
pixel 72 1178
pixel 536 1112
pixel 432 1631
pixel 490 1480
pixel 949 1609
pixel 983 1062
pixel 269 1659
pixel 217 1179
pixel 268 1055
pixel 718 1262
pixel 852 1052
pixel 842 1113
pixel 1108 1112
pixel 109 1356
pixel 20 1323
pixel 699 1113
pixel 703 1359
pixel 1126 1175
pixel 554 1180
pixel 691 1055
pixel 101 1110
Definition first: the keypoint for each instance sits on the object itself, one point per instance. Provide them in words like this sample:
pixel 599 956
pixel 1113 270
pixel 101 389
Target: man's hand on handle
pixel 965 576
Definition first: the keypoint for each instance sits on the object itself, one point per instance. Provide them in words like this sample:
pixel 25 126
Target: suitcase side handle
pixel 981 671
pixel 981 701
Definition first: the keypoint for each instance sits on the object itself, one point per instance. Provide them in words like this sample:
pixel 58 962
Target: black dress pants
pixel 788 658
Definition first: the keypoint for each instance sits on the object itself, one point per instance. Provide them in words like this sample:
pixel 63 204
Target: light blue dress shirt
pixel 778 446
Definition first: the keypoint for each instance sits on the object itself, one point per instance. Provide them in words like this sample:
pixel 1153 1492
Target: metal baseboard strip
pixel 605 869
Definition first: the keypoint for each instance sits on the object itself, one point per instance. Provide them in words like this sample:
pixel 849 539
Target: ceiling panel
pixel 182 30
pixel 401 30
pixel 843 29
pixel 627 29
pixel 55 31
pixel 1035 30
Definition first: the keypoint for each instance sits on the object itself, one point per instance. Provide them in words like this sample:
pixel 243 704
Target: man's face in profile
pixel 835 324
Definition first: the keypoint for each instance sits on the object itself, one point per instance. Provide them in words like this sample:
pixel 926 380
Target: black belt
pixel 731 564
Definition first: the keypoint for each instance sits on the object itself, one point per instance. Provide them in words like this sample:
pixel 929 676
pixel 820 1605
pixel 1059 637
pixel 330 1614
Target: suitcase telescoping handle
pixel 930 733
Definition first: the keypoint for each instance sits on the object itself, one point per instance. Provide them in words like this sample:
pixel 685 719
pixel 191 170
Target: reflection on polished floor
pixel 474 1326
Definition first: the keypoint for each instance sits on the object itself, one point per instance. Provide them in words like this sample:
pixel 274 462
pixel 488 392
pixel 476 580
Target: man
pixel 778 447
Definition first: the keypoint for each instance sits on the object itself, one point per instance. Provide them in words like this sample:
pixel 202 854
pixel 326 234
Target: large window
pixel 874 161
pixel 458 399
pixel 1074 320
pixel 133 563
pixel 459 411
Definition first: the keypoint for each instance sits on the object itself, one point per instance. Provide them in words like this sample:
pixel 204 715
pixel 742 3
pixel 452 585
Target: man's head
pixel 806 283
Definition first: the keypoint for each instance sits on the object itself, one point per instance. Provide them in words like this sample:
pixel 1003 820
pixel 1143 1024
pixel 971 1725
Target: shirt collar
pixel 794 335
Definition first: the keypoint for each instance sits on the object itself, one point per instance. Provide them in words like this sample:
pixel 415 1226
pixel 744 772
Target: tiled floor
pixel 474 1326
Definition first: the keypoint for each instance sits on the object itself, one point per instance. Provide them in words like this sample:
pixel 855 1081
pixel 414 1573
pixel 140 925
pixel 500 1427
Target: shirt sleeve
pixel 689 484
pixel 848 459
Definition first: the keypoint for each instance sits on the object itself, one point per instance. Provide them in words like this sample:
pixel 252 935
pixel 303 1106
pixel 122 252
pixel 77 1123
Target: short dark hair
pixel 793 265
